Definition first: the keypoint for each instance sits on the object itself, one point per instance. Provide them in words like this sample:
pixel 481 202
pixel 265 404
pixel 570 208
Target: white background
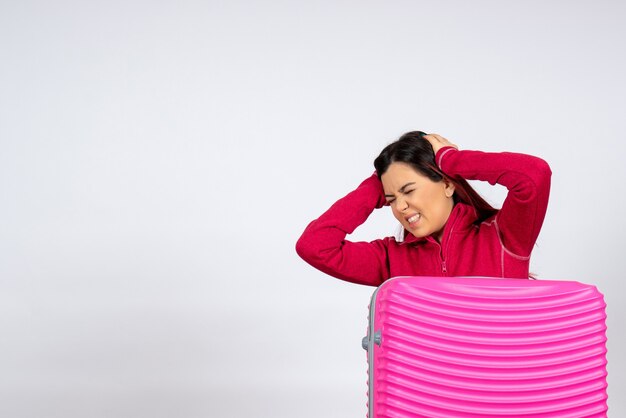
pixel 159 159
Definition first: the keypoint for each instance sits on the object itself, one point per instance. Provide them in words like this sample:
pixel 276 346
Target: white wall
pixel 159 159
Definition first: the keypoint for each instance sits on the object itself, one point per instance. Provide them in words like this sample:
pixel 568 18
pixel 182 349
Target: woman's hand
pixel 438 142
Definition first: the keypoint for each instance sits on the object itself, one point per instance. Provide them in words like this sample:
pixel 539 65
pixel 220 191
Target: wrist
pixel 439 156
pixel 374 184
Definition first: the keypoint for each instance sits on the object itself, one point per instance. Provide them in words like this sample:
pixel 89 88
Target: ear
pixel 448 188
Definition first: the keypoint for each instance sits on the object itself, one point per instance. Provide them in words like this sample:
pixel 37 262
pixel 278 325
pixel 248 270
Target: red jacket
pixel 498 247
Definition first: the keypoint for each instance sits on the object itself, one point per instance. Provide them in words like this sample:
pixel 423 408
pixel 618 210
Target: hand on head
pixel 438 142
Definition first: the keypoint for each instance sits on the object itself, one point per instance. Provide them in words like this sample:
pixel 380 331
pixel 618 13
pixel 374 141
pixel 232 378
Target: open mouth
pixel 413 219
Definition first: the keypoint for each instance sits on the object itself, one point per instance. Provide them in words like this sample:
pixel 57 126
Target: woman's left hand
pixel 438 142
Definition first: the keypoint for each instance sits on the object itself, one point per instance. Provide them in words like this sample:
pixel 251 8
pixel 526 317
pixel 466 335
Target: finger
pixel 442 142
pixel 431 139
pixel 440 138
pixel 445 141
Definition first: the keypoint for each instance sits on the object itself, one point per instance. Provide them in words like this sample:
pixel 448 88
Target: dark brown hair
pixel 411 148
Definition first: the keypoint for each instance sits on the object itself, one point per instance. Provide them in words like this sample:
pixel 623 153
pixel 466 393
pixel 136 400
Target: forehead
pixel 398 174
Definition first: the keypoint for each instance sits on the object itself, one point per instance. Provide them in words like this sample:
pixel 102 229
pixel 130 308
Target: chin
pixel 415 233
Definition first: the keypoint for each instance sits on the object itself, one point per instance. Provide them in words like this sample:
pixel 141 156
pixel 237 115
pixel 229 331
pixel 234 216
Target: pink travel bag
pixel 485 348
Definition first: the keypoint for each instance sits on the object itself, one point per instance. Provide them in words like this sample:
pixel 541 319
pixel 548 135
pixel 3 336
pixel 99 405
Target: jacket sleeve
pixel 527 179
pixel 323 243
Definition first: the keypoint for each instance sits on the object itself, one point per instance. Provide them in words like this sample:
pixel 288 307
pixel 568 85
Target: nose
pixel 402 205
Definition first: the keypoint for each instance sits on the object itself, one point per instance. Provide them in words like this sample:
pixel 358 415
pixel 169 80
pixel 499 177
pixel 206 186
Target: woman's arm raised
pixel 323 243
pixel 527 179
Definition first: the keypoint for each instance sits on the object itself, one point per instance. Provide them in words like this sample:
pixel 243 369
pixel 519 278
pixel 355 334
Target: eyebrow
pixel 401 190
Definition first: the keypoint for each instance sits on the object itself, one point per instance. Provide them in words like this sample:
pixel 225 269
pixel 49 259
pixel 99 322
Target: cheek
pixel 397 215
pixel 441 208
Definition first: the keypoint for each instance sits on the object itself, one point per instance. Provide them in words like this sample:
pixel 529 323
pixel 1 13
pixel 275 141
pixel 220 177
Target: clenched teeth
pixel 414 218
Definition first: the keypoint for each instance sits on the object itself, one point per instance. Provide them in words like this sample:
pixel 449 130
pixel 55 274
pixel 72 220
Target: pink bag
pixel 482 347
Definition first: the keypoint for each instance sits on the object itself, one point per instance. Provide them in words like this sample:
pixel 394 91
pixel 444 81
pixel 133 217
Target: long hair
pixel 411 148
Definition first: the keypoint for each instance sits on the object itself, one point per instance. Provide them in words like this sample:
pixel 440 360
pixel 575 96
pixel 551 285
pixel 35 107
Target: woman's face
pixel 421 205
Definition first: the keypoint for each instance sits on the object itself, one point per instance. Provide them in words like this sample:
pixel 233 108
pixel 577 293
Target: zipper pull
pixel 443 266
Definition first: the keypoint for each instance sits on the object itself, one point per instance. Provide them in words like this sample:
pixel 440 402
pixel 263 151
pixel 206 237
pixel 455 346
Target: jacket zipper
pixel 444 267
pixel 442 259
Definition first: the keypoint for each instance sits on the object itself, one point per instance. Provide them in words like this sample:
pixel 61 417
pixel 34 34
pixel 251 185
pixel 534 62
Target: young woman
pixel 449 230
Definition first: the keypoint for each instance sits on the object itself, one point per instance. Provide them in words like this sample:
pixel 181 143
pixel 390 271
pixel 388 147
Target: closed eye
pixel 404 192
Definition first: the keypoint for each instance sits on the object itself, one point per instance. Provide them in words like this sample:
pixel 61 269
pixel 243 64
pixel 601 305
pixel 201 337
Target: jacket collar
pixel 461 217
